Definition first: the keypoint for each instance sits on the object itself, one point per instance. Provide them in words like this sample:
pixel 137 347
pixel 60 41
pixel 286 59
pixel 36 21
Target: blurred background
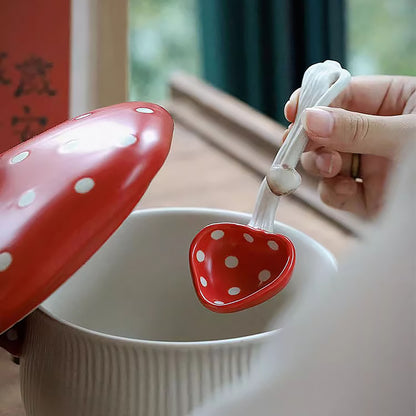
pixel 257 50
pixel 239 60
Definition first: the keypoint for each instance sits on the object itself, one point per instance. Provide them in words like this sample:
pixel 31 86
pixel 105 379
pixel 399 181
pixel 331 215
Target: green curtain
pixel 258 50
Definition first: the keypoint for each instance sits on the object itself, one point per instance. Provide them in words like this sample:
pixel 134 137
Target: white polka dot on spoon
pixel 264 275
pixel 203 281
pixel 231 262
pixel 84 185
pixel 218 302
pixel 217 234
pixel 273 245
pixel 200 256
pixel 6 260
pixel 234 291
pixel 248 237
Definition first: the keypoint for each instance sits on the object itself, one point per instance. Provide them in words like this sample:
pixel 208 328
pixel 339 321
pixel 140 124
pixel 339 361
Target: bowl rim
pixel 254 338
pixel 159 344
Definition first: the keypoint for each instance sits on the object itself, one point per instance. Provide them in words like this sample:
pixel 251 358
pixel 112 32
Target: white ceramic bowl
pixel 126 334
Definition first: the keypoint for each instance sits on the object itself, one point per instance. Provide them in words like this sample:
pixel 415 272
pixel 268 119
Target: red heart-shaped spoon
pixel 224 250
pixel 236 266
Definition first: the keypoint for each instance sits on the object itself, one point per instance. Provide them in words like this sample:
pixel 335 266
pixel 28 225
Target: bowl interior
pixel 138 284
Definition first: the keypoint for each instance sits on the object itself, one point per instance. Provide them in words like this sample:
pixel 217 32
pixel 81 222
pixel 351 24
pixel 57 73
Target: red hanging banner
pixel 34 67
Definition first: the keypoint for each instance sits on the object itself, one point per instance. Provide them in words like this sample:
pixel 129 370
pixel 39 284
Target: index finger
pixel 381 95
pixel 291 106
pixel 369 94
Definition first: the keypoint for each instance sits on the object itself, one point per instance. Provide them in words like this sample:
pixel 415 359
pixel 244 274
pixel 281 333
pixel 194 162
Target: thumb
pixel 346 131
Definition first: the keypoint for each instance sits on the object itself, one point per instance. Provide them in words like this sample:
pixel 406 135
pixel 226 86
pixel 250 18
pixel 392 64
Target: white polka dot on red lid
pixel 26 198
pixel 127 140
pixel 218 302
pixel 273 245
pixel 84 185
pixel 234 291
pixel 144 110
pixel 200 256
pixel 248 237
pixel 203 281
pixel 6 260
pixel 231 262
pixel 83 116
pixel 69 146
pixel 217 234
pixel 19 157
pixel 264 275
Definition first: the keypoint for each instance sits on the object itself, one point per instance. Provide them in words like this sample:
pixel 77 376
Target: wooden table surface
pixel 198 175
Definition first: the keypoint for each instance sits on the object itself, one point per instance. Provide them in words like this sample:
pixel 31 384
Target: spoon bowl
pixel 222 253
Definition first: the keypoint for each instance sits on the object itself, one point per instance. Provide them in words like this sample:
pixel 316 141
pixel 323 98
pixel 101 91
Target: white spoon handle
pixel 321 84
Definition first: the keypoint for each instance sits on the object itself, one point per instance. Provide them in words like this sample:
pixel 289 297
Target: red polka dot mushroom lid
pixel 64 192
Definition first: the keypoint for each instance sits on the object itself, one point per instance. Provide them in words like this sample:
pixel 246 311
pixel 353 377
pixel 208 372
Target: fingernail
pixel 325 163
pixel 346 187
pixel 318 122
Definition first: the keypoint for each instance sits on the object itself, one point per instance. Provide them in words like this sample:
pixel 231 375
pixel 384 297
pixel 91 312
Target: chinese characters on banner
pixel 34 68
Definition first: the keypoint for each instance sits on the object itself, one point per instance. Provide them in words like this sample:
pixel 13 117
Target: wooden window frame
pixel 245 135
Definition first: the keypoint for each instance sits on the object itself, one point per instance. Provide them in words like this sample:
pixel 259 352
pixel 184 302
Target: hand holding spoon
pixel 234 266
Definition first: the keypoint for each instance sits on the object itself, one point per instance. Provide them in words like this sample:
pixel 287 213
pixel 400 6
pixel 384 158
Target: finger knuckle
pixel 326 196
pixel 330 198
pixel 359 127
